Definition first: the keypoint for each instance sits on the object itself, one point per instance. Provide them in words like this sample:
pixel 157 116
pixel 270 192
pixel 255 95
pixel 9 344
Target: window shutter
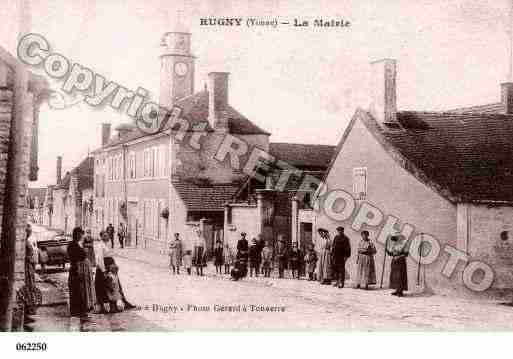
pixel 360 183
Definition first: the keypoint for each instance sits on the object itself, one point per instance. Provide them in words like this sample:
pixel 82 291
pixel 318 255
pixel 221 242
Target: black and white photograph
pixel 255 166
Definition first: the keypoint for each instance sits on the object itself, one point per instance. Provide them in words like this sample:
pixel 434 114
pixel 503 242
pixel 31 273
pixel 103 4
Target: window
pixel 145 163
pixel 131 165
pixel 360 183
pixel 166 160
pixel 158 168
pixel 153 166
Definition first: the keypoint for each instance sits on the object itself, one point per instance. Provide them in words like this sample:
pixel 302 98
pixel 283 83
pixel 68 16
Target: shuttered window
pixel 360 183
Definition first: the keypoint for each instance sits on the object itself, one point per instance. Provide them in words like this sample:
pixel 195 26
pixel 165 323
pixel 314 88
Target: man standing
pixel 242 255
pixel 121 234
pixel 340 252
pixel 110 233
pixel 243 246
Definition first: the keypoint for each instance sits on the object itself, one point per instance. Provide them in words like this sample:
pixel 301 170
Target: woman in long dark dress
pixel 397 249
pixel 81 298
pixel 198 256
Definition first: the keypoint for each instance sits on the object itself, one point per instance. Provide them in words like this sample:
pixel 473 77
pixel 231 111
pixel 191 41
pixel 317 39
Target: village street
pixel 307 305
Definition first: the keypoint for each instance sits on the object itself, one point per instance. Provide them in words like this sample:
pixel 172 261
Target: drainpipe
pixel 125 194
pixel 469 228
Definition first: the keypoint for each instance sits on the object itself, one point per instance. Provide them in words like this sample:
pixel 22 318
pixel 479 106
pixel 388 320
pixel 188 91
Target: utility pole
pixel 14 179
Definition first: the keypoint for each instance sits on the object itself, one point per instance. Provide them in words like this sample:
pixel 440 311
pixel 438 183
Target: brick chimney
pixel 507 97
pixel 383 105
pixel 105 133
pixel 59 169
pixel 218 99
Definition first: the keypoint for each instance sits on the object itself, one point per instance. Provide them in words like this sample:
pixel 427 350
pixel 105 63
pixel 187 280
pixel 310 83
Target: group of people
pixel 189 258
pixel 121 232
pixel 93 280
pixel 328 265
pixel 335 253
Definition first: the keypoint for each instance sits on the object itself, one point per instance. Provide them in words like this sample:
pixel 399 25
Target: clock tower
pixel 176 67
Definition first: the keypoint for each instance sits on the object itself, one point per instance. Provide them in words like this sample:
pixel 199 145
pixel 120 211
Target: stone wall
pixel 6 113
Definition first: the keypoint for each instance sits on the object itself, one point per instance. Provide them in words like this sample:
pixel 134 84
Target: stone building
pixel 71 198
pixel 442 177
pixel 160 184
pixel 20 96
pixel 272 210
pixel 35 203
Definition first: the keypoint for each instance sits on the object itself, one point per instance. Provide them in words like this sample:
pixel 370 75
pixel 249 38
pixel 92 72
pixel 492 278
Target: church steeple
pixel 177 65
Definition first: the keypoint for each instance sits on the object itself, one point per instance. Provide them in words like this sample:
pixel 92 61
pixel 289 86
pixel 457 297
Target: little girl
pixel 228 258
pixel 218 257
pixel 187 261
pixel 311 262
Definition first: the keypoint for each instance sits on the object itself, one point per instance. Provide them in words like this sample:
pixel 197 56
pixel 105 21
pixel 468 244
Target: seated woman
pixel 240 266
pixel 104 259
pixel 112 288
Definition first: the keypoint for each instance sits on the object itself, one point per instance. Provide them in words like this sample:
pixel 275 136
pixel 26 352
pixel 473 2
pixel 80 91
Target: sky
pixel 300 84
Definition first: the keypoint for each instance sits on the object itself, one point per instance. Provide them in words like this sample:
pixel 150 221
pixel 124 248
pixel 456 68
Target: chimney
pixel 59 169
pixel 507 97
pixel 105 133
pixel 218 99
pixel 124 130
pixel 383 103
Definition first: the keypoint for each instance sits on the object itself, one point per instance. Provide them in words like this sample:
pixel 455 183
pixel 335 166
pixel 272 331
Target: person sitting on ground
pixel 254 258
pixel 112 288
pixel 240 269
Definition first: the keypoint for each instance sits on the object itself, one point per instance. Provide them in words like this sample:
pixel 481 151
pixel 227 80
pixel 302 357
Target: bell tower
pixel 176 66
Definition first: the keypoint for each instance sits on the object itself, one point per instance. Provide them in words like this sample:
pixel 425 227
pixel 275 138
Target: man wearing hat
pixel 242 244
pixel 242 251
pixel 341 251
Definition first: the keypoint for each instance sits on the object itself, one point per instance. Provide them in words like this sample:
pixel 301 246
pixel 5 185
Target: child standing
pixel 175 254
pixel 218 257
pixel 295 257
pixel 267 259
pixel 112 288
pixel 311 262
pixel 187 261
pixel 228 258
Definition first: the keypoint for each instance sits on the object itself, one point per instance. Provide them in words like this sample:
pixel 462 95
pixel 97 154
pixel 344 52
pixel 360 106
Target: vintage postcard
pixel 255 166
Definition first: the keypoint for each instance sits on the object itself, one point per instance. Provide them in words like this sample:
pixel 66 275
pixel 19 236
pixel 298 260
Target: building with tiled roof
pixel 170 181
pixel 68 203
pixel 442 178
pixel 303 156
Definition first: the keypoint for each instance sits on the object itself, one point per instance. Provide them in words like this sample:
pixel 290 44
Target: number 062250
pixel 31 346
